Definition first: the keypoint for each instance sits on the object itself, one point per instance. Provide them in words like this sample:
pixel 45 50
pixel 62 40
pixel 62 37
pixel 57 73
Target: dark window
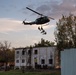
pixel 23 60
pixel 29 51
pixel 17 61
pixel 23 52
pixel 17 52
pixel 35 64
pixel 35 52
pixel 42 61
pixel 50 61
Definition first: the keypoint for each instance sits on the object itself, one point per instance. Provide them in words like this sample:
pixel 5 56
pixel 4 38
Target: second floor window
pixel 17 52
pixel 36 52
pixel 29 51
pixel 23 52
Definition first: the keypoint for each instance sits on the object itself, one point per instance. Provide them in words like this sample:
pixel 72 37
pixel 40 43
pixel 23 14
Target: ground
pixel 19 72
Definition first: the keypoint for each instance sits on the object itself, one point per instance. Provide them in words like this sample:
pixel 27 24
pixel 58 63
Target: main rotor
pixel 38 13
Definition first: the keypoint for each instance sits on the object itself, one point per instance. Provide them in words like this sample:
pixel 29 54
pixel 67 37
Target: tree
pixel 65 33
pixel 44 43
pixel 6 55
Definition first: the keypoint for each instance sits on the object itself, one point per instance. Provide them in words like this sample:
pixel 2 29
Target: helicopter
pixel 39 21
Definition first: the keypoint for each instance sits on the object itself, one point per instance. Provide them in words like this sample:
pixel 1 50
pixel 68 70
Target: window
pixel 23 60
pixel 17 61
pixel 17 52
pixel 35 52
pixel 35 60
pixel 23 52
pixel 42 61
pixel 29 51
pixel 50 61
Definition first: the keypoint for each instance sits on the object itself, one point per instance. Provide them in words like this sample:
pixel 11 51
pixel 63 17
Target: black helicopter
pixel 39 21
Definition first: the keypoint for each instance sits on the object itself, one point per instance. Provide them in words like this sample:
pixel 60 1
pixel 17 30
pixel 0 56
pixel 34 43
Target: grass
pixel 18 72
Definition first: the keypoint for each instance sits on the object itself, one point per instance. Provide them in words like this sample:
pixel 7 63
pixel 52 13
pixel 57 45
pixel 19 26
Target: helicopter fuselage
pixel 38 21
pixel 42 20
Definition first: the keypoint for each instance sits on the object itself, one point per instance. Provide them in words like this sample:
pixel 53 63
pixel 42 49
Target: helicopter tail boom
pixel 28 23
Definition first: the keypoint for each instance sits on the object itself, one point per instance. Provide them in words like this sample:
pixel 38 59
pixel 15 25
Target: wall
pixel 43 53
pixel 68 62
pixel 20 57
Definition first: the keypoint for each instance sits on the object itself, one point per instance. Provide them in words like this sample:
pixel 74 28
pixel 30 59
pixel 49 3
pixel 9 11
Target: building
pixel 68 61
pixel 37 57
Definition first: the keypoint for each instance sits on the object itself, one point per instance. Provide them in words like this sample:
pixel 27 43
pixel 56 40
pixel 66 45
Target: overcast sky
pixel 13 12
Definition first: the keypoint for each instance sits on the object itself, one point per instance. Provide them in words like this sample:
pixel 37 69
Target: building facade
pixel 37 57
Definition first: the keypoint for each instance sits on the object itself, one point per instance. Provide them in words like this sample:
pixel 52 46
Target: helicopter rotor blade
pixel 38 13
pixel 35 11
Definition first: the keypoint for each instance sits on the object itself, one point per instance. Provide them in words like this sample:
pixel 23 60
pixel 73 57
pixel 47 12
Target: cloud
pixel 43 8
pixel 8 25
pixel 55 8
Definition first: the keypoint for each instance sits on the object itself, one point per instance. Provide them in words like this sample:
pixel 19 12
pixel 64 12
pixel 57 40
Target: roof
pixel 21 48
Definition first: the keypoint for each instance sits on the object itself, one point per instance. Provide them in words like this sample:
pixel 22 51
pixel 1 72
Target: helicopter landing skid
pixel 42 30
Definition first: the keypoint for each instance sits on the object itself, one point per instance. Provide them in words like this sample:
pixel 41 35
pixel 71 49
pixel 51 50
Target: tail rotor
pixel 23 21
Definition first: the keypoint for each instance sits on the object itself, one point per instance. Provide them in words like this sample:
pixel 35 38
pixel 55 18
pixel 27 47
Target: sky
pixel 13 12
